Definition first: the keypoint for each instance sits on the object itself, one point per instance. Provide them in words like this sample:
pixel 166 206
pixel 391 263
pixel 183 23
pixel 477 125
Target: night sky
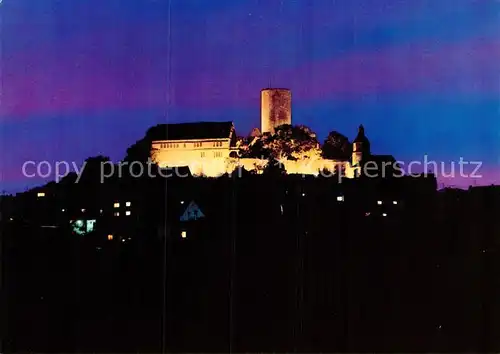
pixel 88 77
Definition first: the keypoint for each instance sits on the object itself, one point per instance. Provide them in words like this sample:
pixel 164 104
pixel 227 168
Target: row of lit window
pixel 170 145
pixel 216 154
pixel 127 213
pixel 117 205
pixel 111 237
pixel 379 202
pixel 196 145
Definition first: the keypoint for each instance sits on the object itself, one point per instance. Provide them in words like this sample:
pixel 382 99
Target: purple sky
pixel 87 77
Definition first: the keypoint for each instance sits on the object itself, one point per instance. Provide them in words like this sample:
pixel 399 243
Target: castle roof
pixel 187 131
pixel 361 137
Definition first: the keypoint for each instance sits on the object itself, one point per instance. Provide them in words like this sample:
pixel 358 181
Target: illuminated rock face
pixel 276 108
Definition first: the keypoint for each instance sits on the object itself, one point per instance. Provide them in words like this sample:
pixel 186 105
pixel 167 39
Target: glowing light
pixel 384 214
pixel 83 210
pixel 11 219
pixel 340 198
pixel 379 202
pixel 90 225
pixel 281 208
pixel 117 213
pixel 395 202
pixel 303 194
pixel 40 194
pixel 100 211
pixel 116 205
pixel 127 213
pixel 63 210
pixel 182 202
pixel 110 237
pixel 183 234
pixel 367 214
pixel 128 204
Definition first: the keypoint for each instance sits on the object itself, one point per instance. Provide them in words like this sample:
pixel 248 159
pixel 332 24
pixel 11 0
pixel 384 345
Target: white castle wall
pixel 216 166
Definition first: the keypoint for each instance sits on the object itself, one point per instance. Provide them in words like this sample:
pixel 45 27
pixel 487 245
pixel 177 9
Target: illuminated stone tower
pixel 360 147
pixel 276 108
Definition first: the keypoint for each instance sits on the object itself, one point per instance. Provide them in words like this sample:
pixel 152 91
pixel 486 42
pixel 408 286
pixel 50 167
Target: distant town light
pixel 379 202
pixel 83 210
pixel 123 240
pixel 116 205
pixel 303 194
pixel 127 213
pixel 100 211
pixel 128 204
pixel 117 213
pixel 40 194
pixel 63 210
pixel 182 202
pixel 384 214
pixel 367 213
pixel 395 202
pixel 183 234
pixel 340 198
pixel 110 237
pixel 11 219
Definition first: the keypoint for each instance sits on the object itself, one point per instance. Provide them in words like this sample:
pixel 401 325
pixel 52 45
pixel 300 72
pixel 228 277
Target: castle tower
pixel 360 147
pixel 276 108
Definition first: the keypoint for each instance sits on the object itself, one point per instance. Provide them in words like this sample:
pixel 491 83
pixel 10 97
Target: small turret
pixel 360 147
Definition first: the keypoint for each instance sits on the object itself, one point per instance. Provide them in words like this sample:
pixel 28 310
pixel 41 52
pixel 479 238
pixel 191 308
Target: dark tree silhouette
pixel 274 168
pixel 336 147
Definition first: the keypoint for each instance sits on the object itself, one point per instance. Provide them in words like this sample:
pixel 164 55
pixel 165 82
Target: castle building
pixel 189 144
pixel 210 148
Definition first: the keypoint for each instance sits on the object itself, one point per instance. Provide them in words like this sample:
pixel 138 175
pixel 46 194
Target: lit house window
pixel 395 202
pixel 128 204
pixel 116 205
pixel 127 212
pixel 384 214
pixel 340 198
pixel 40 194
pixel 379 202
pixel 117 213
pixel 183 234
pixel 110 237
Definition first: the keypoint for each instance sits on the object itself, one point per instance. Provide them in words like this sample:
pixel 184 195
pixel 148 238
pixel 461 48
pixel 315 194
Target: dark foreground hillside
pixel 317 277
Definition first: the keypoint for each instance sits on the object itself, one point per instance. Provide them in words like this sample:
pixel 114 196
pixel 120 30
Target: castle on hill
pixel 212 148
